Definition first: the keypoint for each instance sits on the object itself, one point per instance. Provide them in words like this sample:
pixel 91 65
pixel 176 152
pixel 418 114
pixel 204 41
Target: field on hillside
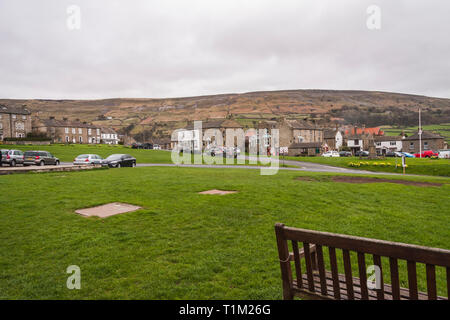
pixel 183 245
pixel 432 167
pixel 442 129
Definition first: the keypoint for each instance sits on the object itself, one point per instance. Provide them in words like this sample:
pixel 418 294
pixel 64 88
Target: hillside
pixel 159 116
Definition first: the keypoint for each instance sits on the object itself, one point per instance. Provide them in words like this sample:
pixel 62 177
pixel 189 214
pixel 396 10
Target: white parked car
pixel 156 147
pixel 331 154
pixel 444 154
pixel 84 159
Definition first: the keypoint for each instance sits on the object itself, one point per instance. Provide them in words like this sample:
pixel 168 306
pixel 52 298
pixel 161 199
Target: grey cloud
pixel 169 48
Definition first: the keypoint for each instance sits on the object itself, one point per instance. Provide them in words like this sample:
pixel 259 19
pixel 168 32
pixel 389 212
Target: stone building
pixel 15 122
pixel 65 131
pixel 430 141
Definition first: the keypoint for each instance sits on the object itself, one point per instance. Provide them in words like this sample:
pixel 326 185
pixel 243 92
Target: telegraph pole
pixel 420 134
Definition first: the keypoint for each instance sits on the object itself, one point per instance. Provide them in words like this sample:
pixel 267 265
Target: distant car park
pixel 119 160
pixel 39 158
pixel 85 159
pixel 12 157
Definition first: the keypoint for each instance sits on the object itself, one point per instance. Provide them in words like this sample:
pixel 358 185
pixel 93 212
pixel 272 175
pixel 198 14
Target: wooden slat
pixel 377 262
pixel 334 272
pixel 404 293
pixel 395 282
pixel 412 280
pixel 431 282
pixel 363 276
pixel 321 266
pixel 298 268
pixel 285 265
pixel 448 282
pixel 308 266
pixel 435 256
pixel 348 274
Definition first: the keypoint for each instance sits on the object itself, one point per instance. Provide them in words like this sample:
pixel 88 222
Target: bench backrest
pixel 313 253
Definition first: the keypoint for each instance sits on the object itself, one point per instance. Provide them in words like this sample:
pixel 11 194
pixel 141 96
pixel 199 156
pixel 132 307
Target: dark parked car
pixel 119 160
pixel 390 154
pixel 12 157
pixel 345 154
pixel 362 153
pixel 39 158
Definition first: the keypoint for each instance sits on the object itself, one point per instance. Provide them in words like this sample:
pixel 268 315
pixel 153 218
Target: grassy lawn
pixel 66 153
pixel 434 167
pixel 183 245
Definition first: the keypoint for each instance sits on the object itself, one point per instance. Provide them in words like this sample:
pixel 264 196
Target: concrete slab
pixel 216 191
pixel 107 210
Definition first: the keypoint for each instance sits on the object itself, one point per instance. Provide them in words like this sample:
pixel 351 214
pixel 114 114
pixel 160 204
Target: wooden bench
pixel 317 282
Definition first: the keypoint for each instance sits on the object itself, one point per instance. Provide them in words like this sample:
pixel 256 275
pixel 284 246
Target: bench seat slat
pixel 372 294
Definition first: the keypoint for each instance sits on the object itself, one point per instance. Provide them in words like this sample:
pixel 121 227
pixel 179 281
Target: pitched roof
pixel 14 109
pixel 302 145
pixel 387 138
pixel 301 124
pixel 329 134
pixel 217 123
pixel 375 131
pixel 108 130
pixel 66 123
pixel 425 135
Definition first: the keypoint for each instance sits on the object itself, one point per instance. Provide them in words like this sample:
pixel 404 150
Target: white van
pixel 444 154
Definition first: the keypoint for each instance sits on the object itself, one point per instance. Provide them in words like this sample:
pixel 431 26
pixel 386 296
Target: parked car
pixel 426 154
pixel 3 153
pixel 12 157
pixel 444 154
pixel 408 155
pixel 331 154
pixel 39 158
pixel 362 153
pixel 84 159
pixel 119 160
pixel 398 154
pixel 156 147
pixel 345 154
pixel 390 154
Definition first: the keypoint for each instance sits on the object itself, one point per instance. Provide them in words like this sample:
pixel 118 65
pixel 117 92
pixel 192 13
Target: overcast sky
pixel 173 48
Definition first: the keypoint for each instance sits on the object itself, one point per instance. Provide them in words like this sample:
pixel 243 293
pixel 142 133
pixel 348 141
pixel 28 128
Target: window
pixel 89 131
pixel 81 139
pixel 98 132
pixel 24 117
pixel 67 130
pixel 411 145
pixel 73 130
pixel 425 145
pixel 67 138
pixel 300 139
pixel 14 116
pixel 393 143
pixel 379 144
pixel 80 131
pixel 356 142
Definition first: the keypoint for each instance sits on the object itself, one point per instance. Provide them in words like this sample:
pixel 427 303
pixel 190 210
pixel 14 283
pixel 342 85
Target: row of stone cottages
pixel 304 138
pixel 17 122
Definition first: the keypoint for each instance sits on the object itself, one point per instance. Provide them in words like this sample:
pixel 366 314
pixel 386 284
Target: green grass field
pixel 183 245
pixel 432 167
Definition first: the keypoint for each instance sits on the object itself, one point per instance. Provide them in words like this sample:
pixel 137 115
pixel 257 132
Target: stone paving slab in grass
pixel 107 210
pixel 215 191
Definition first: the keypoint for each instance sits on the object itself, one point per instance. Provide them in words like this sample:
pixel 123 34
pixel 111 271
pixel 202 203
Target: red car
pixel 426 154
